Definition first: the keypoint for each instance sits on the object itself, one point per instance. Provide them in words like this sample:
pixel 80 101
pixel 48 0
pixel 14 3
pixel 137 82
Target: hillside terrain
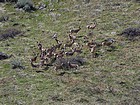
pixel 110 76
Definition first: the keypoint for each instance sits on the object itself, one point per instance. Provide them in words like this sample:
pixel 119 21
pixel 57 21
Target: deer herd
pixel 47 56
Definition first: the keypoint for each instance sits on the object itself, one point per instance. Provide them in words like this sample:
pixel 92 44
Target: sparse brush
pixel 17 63
pixel 4 18
pixel 77 60
pixel 130 33
pixel 9 33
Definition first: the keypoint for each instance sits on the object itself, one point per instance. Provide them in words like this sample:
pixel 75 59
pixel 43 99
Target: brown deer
pixel 90 43
pixel 108 42
pixel 33 65
pixel 71 37
pixel 59 66
pixel 93 50
pixel 91 26
pixel 78 50
pixel 58 46
pixel 40 47
pixel 69 44
pixel 71 65
pixel 34 58
pixel 57 41
pixel 50 54
pixel 70 53
pixel 51 51
pixel 75 30
pixel 54 36
pixel 42 62
pixel 60 54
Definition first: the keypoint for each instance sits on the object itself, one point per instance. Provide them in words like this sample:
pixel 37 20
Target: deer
pixel 91 26
pixel 70 53
pixel 59 54
pixel 108 42
pixel 33 65
pixel 54 36
pixel 57 41
pixel 59 66
pixel 34 58
pixel 40 47
pixel 42 62
pixel 49 54
pixel 75 30
pixel 90 43
pixel 93 50
pixel 71 37
pixel 71 65
pixel 69 44
pixel 79 50
pixel 59 44
pixel 51 51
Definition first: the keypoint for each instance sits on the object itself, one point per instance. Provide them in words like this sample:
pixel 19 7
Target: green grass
pixel 113 78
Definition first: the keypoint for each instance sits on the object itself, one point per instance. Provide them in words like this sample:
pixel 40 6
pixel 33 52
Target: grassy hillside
pixel 112 78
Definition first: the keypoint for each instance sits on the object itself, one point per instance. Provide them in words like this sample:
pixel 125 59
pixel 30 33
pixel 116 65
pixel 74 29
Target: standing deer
pixel 69 44
pixel 75 30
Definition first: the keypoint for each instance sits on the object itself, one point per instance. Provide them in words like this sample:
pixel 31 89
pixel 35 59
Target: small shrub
pixel 131 32
pixel 4 18
pixel 16 63
pixel 9 33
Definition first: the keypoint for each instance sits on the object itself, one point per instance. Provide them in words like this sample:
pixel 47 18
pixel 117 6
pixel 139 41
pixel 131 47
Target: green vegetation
pixel 112 78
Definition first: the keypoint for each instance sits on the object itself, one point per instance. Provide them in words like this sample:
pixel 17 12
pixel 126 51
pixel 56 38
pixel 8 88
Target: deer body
pixel 91 26
pixel 75 30
pixel 69 44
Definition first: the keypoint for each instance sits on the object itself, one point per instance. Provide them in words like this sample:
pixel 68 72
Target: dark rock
pixel 4 56
pixel 2 0
pixel 15 24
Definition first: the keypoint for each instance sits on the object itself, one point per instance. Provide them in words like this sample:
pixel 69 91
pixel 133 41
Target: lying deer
pixel 71 65
pixel 91 26
pixel 108 42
